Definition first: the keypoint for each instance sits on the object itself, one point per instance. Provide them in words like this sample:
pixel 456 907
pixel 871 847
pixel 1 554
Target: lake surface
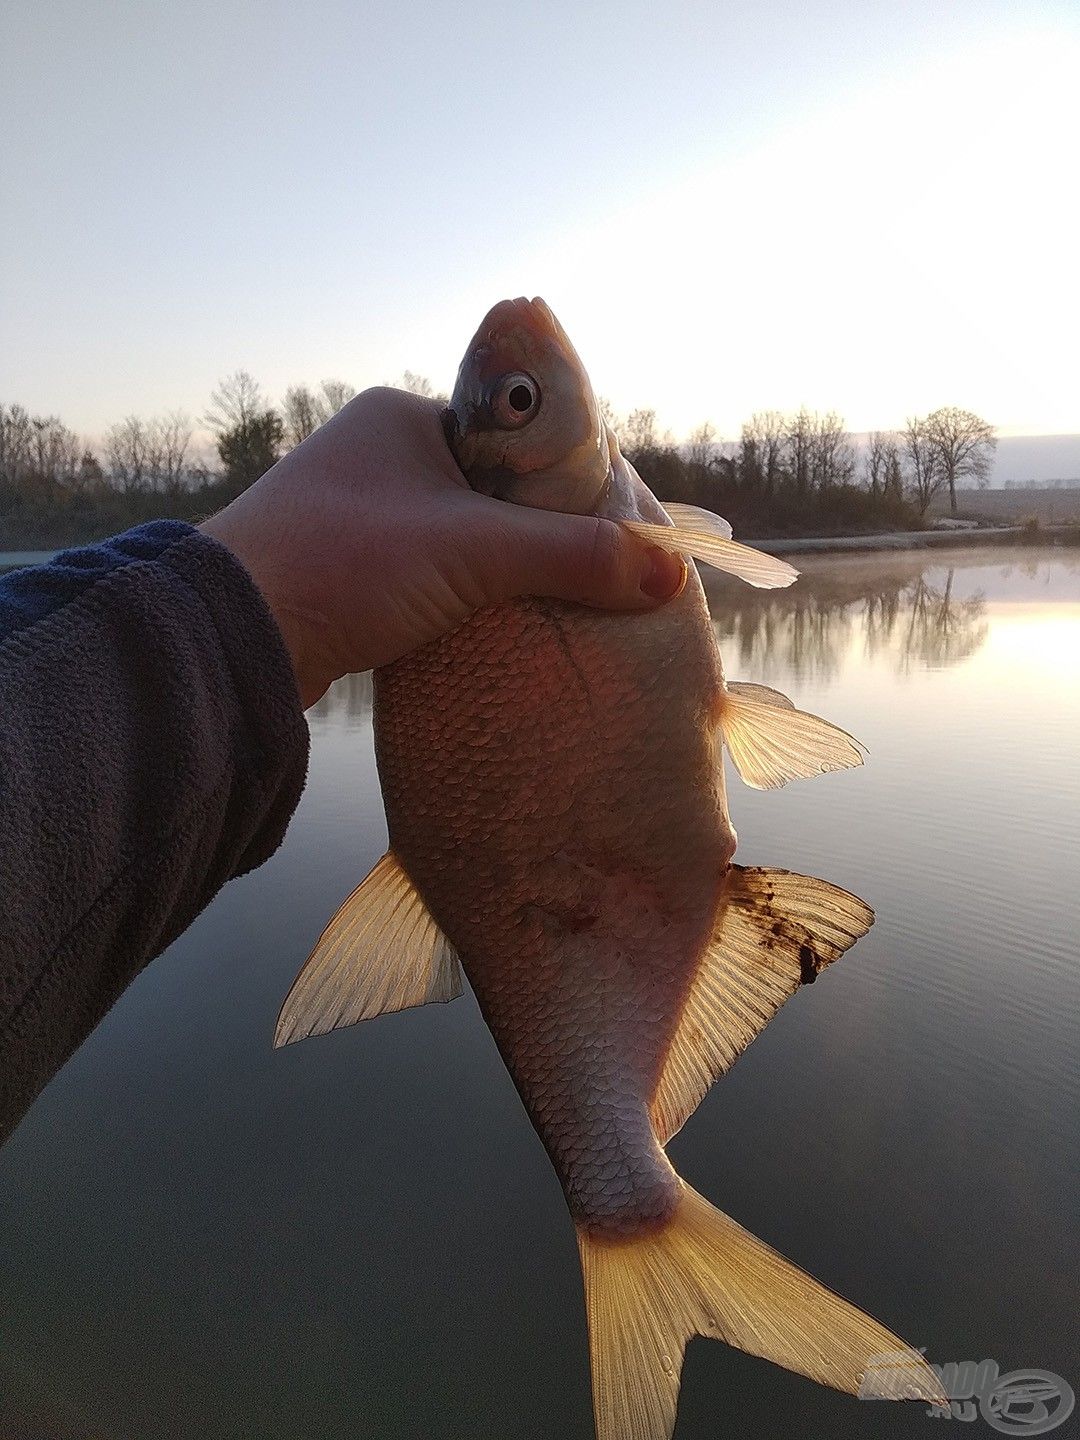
pixel 361 1235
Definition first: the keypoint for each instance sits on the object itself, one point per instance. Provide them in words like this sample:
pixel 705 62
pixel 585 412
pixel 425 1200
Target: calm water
pixel 361 1235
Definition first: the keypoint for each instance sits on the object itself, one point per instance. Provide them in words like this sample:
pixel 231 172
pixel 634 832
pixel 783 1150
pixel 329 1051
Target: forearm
pixel 152 746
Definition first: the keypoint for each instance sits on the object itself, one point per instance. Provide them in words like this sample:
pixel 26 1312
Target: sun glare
pixel 845 266
pixel 1029 641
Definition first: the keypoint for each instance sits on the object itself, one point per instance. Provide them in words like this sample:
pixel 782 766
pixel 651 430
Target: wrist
pixel 313 673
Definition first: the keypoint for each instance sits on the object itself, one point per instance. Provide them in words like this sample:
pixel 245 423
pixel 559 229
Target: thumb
pixel 584 559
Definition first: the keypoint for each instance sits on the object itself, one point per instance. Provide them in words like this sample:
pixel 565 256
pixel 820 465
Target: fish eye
pixel 515 400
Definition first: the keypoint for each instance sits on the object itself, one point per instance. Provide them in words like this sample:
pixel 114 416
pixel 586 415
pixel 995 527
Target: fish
pixel 558 831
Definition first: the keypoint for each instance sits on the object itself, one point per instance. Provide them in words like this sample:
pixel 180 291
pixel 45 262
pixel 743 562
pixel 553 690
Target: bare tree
pixel 882 467
pixel 127 455
pixel 894 471
pixel 148 454
pixel 799 447
pixel 336 394
pixel 417 384
pixel 236 402
pixel 701 447
pixel 875 461
pixel 761 450
pixel 925 477
pixel 302 413
pixel 56 452
pixel 37 452
pixel 640 435
pixel 304 409
pixel 964 445
pixel 832 461
pixel 169 436
pixel 89 476
pixel 769 430
pixel 16 428
pixel 421 385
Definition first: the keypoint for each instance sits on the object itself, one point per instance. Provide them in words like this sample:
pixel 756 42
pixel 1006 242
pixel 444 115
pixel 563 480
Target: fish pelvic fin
pixel 774 931
pixel 707 537
pixel 381 952
pixel 703 1274
pixel 770 742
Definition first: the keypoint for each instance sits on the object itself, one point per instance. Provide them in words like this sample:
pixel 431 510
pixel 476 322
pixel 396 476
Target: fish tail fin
pixel 703 1274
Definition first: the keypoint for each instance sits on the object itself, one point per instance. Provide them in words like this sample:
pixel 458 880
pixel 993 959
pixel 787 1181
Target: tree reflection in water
pixel 941 629
pixel 808 629
pixel 905 605
pixel 348 699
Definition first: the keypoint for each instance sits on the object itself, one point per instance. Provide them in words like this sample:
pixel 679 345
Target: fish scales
pixel 581 882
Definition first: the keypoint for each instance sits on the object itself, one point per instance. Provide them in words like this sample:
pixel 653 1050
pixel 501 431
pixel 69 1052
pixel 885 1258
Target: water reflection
pixel 941 629
pixel 363 1236
pixel 923 619
pixel 921 616
pixel 349 700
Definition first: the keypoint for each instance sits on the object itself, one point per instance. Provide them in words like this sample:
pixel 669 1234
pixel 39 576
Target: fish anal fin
pixel 381 952
pixel 774 931
pixel 702 1274
pixel 770 742
pixel 708 538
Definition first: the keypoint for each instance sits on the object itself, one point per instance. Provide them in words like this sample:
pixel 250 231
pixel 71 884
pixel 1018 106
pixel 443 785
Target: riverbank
pixel 868 544
pixel 916 540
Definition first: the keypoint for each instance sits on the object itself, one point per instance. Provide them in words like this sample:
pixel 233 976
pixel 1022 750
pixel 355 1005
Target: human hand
pixel 367 541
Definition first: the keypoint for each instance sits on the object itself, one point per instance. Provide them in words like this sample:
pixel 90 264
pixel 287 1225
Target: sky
pixel 870 207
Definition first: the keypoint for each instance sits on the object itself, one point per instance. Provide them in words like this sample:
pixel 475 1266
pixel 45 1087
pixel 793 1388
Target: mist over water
pixel 361 1235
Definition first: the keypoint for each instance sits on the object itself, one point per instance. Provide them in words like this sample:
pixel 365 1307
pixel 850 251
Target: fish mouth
pixel 534 316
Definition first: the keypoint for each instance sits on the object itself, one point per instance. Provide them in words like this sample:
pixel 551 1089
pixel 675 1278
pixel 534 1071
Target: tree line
pixel 797 473
pixel 802 473
pixel 57 490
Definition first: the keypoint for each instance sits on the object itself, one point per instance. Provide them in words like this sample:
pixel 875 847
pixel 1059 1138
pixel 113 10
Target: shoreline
pixel 1049 536
pixel 904 540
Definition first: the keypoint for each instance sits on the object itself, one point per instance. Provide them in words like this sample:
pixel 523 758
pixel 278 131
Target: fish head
pixel 523 421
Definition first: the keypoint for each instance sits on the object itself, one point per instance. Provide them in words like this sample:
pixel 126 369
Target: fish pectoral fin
pixel 774 930
pixel 693 517
pixel 702 1274
pixel 707 537
pixel 382 951
pixel 770 742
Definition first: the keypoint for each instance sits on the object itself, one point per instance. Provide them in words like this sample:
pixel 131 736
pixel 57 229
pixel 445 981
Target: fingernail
pixel 665 574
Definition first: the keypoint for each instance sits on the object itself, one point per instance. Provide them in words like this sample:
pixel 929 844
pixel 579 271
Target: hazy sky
pixel 860 205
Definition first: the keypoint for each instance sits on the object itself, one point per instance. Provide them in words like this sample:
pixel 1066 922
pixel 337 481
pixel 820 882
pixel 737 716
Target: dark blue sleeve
pixel 152 746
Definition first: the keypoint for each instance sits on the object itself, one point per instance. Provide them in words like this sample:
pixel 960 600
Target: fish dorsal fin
pixel 774 931
pixel 707 537
pixel 770 742
pixel 382 951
